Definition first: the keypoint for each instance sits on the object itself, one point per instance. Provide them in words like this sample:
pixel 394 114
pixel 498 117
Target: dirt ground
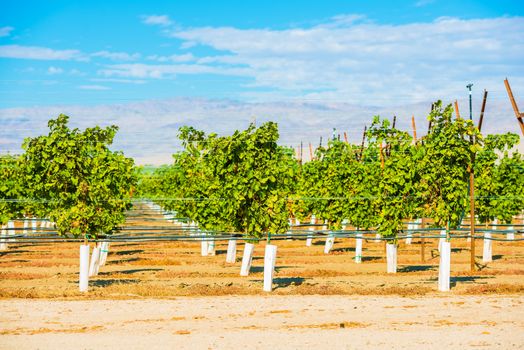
pixel 266 322
pixel 158 294
pixel 169 269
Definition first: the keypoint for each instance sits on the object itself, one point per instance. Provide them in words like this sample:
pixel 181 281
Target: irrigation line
pixel 227 237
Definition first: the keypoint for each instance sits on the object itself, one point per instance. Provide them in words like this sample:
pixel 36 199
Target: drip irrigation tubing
pixel 232 236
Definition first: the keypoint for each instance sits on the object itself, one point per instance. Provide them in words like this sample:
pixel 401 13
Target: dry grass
pixel 8 275
pixel 333 325
pixel 491 272
pixel 158 262
pixel 43 330
pixel 447 323
pixel 280 311
pixel 499 288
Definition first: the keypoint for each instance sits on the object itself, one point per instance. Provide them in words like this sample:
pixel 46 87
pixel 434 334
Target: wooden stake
pixel 310 151
pixel 363 141
pixel 346 137
pixel 414 126
pixel 457 109
pixel 301 153
pixel 481 119
pixel 515 107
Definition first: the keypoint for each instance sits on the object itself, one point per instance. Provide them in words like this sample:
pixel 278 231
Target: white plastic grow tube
pixel 247 258
pixel 95 259
pixel 309 239
pixel 358 248
pixel 11 229
pixel 231 256
pixel 84 268
pixel 3 236
pixel 487 250
pixel 330 241
pixel 391 257
pixel 444 267
pixel 442 239
pixel 104 250
pixel 33 224
pixel 211 247
pixel 409 234
pixel 510 235
pixel 270 258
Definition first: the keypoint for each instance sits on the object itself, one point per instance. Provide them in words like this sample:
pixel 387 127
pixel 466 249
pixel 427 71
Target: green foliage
pixel 86 186
pixel 324 183
pixel 11 189
pixel 445 165
pixel 236 183
pixel 499 179
pixel 398 183
pixel 247 183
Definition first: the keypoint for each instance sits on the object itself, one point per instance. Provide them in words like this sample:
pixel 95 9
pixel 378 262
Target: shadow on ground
pixel 417 268
pixel 128 272
pixel 288 281
pixel 129 252
pixel 106 283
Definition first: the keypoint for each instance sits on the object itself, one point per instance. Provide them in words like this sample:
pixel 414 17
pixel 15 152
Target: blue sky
pixel 94 52
pixel 310 55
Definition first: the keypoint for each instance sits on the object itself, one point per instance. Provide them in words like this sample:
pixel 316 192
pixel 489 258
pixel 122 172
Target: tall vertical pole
pixel 472 216
pixel 414 126
pixel 457 112
pixel 481 119
pixel 363 142
pixel 471 193
pixel 519 115
pixel 469 86
pixel 301 148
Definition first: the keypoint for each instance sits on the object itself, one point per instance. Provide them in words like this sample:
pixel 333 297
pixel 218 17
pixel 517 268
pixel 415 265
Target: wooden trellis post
pixel 481 119
pixel 457 109
pixel 414 126
pixel 515 107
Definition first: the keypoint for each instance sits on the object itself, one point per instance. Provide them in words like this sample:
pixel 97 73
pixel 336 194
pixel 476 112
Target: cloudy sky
pixel 151 67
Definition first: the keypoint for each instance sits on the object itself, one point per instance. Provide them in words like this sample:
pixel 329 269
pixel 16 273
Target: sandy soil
pixel 160 295
pixel 268 322
pixel 168 269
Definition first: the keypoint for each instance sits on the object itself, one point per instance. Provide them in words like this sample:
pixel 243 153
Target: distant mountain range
pixel 148 129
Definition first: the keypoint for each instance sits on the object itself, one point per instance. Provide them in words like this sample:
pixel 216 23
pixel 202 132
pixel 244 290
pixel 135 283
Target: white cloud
pixel 360 61
pixel 173 58
pixel 343 20
pixel 39 53
pixel 122 81
pixel 116 56
pixel 140 70
pixel 5 31
pixel 54 70
pixel 94 87
pixel 161 20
